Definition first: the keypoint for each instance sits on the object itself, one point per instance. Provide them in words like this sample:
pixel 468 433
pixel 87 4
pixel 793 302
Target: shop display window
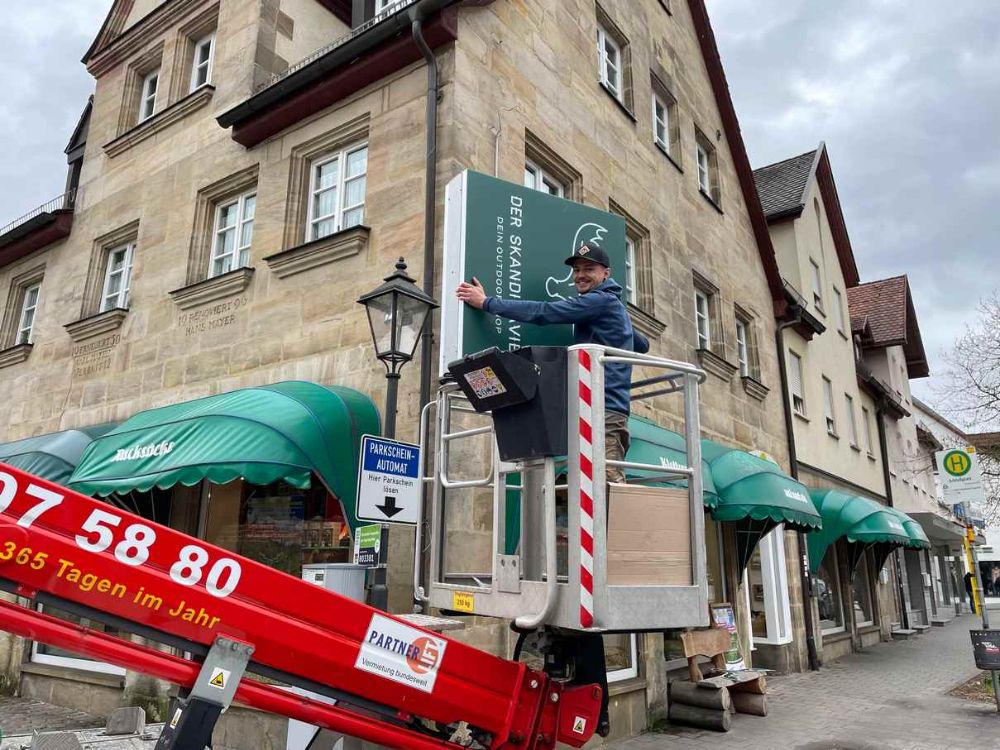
pixel 278 525
pixel 767 585
pixel 826 585
pixel 861 584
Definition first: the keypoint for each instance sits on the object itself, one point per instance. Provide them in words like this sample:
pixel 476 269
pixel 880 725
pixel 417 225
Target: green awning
pixel 285 431
pixel 652 444
pixel 52 456
pixel 918 537
pixel 860 520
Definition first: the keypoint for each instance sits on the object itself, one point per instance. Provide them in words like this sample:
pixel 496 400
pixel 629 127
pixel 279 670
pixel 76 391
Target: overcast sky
pixel 905 94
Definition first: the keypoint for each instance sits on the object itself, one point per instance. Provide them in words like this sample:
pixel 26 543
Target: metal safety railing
pixel 59 203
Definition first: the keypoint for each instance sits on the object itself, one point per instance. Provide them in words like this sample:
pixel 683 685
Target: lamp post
pixel 397 311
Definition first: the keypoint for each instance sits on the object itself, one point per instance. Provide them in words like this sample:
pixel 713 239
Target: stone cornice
pixel 13 355
pixel 713 363
pixel 755 388
pixel 209 290
pixel 319 252
pixel 645 323
pixel 160 121
pixel 139 35
pixel 95 325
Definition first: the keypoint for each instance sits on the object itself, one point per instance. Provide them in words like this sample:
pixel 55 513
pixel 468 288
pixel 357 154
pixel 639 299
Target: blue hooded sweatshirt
pixel 598 317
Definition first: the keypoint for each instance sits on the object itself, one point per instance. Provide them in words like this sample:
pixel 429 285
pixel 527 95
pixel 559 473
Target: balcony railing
pixel 60 203
pixel 389 10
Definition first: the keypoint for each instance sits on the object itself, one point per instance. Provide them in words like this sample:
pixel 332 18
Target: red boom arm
pixel 85 551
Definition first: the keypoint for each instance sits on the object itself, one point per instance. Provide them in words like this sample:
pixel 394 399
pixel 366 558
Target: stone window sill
pixel 716 365
pixel 69 674
pixel 14 355
pixel 646 323
pixel 631 685
pixel 755 388
pixel 95 325
pixel 711 201
pixel 621 105
pixel 856 447
pixel 319 252
pixel 871 457
pixel 833 636
pixel 210 290
pixel 161 120
pixel 801 416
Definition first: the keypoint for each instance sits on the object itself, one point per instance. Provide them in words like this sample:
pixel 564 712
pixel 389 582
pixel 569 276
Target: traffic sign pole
pixel 985 612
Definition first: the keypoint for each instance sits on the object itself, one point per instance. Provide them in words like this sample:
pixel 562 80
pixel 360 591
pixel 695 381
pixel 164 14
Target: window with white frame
pixel 742 348
pixel 204 59
pixel 661 122
pixel 117 277
pixel 26 318
pixel 707 167
pixel 767 584
pixel 838 303
pixel 609 55
pixel 233 234
pixel 630 282
pixel 337 192
pixel 831 422
pixel 866 418
pixel 147 97
pixel 621 656
pixel 666 132
pixel 852 422
pixel 537 178
pixel 817 285
pixel 795 383
pixel 826 581
pixel 861 588
pixel 701 159
pixel 703 319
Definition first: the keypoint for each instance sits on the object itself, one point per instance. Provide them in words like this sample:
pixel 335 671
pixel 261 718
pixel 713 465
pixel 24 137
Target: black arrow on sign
pixel 389 508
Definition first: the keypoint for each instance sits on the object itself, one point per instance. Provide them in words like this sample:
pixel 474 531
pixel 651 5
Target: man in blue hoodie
pixel 598 316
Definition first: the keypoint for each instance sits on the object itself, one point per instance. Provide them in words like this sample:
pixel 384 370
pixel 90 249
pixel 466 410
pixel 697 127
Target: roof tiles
pixel 781 186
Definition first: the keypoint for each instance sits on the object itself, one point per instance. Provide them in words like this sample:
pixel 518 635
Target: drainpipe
pixel 417 15
pixel 883 447
pixel 793 461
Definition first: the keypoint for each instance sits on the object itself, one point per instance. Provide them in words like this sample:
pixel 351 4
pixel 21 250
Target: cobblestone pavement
pixel 20 715
pixel 893 695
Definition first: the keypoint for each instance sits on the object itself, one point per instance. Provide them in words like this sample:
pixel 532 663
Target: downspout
pixel 793 461
pixel 883 447
pixel 430 183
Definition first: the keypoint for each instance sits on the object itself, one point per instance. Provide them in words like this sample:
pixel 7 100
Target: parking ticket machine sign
pixel 389 481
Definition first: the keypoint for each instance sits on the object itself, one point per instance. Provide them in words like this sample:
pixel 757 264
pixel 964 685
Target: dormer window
pixel 204 57
pixel 147 99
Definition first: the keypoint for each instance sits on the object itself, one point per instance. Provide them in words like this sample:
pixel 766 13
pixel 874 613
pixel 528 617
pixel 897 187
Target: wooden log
pixel 704 718
pixel 749 703
pixel 758 686
pixel 690 694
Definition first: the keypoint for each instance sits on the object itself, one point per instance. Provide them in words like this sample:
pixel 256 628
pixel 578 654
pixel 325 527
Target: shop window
pixel 826 582
pixel 767 584
pixel 337 187
pixel 621 656
pixel 861 585
pixel 278 525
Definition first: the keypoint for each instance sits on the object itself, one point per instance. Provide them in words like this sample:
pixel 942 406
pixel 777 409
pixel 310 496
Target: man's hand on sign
pixel 471 293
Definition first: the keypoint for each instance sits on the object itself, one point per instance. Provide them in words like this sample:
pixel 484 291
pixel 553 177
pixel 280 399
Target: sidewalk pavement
pixel 890 696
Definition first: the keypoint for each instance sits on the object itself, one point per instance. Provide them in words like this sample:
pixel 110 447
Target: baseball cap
pixel 590 251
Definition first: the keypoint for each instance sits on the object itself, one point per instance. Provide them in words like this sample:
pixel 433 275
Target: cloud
pixel 45 88
pixel 907 103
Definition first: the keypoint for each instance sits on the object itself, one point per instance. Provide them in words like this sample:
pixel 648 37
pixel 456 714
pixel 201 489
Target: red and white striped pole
pixel 585 381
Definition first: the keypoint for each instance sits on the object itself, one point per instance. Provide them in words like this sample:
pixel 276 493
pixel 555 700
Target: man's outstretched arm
pixel 573 310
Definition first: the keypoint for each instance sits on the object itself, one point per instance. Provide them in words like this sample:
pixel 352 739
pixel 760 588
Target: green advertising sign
pixel 514 240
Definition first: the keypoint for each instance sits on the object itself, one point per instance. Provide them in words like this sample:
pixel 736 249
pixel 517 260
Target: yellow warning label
pixel 463 601
pixel 219 678
pixel 579 725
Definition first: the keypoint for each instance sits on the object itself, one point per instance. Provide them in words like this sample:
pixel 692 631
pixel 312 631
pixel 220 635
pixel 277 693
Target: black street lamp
pixel 397 311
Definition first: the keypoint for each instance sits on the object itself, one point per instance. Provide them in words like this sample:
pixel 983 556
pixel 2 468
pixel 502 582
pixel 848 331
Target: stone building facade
pixel 201 187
